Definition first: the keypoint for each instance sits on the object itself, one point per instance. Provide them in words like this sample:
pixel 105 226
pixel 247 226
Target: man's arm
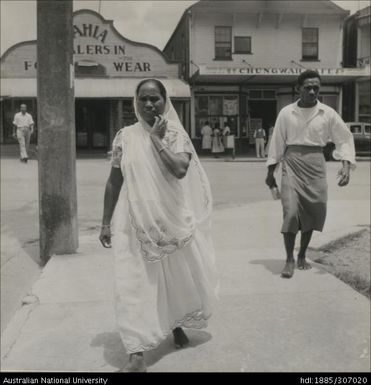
pixel 276 150
pixel 15 125
pixel 344 148
pixel 344 174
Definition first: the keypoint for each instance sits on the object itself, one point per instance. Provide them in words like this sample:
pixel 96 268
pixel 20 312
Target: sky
pixel 150 22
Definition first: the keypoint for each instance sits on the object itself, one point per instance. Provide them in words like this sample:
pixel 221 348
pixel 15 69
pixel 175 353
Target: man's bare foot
pixel 303 264
pixel 180 338
pixel 288 270
pixel 136 364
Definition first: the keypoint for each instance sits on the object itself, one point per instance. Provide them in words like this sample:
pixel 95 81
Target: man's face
pixel 23 108
pixel 309 91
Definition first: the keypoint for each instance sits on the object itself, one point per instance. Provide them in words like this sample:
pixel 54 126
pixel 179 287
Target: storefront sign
pixel 271 71
pixel 99 46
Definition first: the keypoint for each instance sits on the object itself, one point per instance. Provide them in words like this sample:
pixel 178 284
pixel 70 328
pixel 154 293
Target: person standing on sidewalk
pixel 164 256
pixel 206 133
pixel 22 130
pixel 301 131
pixel 217 143
pixel 259 136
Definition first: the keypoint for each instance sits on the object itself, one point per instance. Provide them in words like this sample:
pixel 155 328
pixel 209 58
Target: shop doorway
pixel 262 113
pixel 92 123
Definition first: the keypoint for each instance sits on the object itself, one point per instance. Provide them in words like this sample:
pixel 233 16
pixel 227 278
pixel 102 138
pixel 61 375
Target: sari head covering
pixel 164 211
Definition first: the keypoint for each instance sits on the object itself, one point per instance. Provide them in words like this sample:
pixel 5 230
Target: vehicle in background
pixel 362 140
pixel 362 137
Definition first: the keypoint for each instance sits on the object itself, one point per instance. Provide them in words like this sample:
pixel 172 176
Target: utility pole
pixel 56 125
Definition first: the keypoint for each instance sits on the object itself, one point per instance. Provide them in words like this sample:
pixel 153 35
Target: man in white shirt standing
pixel 301 131
pixel 22 129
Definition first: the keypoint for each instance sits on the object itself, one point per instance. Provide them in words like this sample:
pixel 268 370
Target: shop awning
pixel 93 88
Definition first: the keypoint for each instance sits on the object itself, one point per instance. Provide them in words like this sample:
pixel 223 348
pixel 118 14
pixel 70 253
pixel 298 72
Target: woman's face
pixel 150 102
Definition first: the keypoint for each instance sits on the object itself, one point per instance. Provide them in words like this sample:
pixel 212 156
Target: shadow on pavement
pixel 115 355
pixel 196 338
pixel 275 266
pixel 114 352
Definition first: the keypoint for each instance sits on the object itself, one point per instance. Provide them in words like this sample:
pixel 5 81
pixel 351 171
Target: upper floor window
pixel 242 44
pixel 223 43
pixel 310 43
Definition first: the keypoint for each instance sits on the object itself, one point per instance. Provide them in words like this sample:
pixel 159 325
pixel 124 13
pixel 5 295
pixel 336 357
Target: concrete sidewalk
pixel 312 322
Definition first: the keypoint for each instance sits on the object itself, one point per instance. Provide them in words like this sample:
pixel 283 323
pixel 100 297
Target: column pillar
pixel 56 129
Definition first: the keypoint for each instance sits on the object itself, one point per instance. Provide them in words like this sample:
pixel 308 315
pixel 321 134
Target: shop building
pixel 242 59
pixel 357 29
pixel 107 68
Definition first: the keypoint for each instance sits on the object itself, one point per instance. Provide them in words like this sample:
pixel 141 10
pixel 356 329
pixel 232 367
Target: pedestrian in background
pixel 301 131
pixel 217 144
pixel 164 256
pixel 259 136
pixel 22 130
pixel 206 133
pixel 226 130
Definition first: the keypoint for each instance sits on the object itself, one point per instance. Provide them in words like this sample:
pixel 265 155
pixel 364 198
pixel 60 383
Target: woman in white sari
pixel 164 256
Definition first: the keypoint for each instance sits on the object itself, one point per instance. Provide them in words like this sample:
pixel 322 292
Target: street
pixel 233 184
pixel 260 323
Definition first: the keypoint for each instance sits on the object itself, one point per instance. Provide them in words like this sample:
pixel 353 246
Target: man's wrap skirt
pixel 303 189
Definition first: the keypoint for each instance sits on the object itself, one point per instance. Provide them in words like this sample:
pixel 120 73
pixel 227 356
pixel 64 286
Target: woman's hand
pixel 159 127
pixel 105 236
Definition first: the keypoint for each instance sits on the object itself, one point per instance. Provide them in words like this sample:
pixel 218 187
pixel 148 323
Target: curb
pixel 14 328
pixel 359 229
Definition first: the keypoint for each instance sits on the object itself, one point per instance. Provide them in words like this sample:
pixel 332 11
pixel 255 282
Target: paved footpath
pixel 312 322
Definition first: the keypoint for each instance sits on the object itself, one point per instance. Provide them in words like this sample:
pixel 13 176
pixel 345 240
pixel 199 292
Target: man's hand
pixel 105 236
pixel 344 174
pixel 270 180
pixel 159 127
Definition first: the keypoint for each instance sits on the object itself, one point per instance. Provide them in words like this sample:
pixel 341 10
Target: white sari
pixel 164 256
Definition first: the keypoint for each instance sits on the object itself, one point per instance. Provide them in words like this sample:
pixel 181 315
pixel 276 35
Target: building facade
pixel 242 58
pixel 357 55
pixel 107 68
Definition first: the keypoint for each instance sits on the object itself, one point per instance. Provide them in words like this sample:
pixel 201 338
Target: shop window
pixel 329 100
pixel 310 44
pixel 269 94
pixel 262 94
pixel 218 110
pixel 255 94
pixel 242 44
pixel 223 43
pixel 128 114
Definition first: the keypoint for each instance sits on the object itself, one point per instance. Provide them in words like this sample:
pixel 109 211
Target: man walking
pixel 259 136
pixel 301 131
pixel 22 129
